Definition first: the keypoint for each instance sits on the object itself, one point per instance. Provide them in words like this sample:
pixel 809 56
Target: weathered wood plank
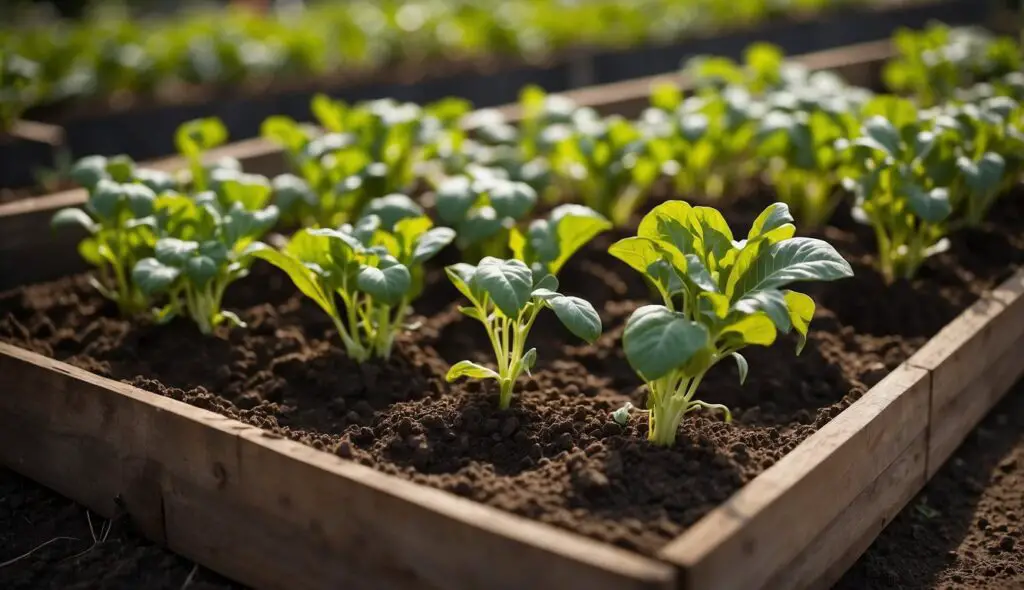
pixel 973 361
pixel 271 512
pixel 60 426
pixel 838 547
pixel 805 491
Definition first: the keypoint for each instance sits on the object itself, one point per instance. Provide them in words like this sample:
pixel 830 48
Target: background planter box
pixel 30 251
pixel 146 132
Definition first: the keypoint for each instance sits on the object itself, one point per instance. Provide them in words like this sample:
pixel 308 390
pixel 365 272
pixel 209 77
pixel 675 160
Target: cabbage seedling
pixel 482 211
pixel 506 300
pixel 376 274
pixel 202 252
pixel 195 138
pixel 719 295
pixel 114 217
pixel 549 243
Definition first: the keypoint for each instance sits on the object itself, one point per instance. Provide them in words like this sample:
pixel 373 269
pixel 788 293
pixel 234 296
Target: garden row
pixel 555 441
pixel 110 78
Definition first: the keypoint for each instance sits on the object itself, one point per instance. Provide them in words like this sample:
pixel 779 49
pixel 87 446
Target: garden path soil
pixel 31 515
pixel 965 530
pixel 555 456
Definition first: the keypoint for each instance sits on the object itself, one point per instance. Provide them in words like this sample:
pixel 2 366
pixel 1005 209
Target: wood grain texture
pixel 973 361
pixel 823 562
pixel 767 524
pixel 270 512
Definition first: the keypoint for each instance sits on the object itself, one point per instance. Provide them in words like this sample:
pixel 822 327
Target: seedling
pixel 507 300
pixel 376 273
pixel 718 295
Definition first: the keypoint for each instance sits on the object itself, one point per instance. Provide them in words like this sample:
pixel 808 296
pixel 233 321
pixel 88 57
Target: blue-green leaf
pixel 657 340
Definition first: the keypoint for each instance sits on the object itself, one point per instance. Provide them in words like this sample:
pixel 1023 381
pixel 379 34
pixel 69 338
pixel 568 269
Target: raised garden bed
pixel 25 224
pixel 144 130
pixel 545 500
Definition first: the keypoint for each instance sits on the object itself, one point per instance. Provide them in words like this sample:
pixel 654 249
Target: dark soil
pixel 965 530
pixel 69 556
pixel 555 456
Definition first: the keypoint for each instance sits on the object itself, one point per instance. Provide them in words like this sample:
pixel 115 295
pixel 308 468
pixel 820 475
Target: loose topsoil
pixel 555 456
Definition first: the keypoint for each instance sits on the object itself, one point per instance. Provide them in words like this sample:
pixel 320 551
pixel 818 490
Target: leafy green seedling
pixel 483 211
pixel 901 181
pixel 506 300
pixel 376 274
pixel 202 251
pixel 549 243
pixel 114 217
pixel 719 295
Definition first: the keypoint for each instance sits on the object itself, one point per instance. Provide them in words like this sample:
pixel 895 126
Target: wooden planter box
pixel 145 130
pixel 273 513
pixel 31 252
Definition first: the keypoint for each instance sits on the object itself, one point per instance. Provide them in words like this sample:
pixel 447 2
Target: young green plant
pixel 507 300
pixel 719 295
pixel 376 274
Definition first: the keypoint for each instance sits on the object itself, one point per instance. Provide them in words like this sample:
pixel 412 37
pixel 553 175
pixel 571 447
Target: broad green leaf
pixel 471 370
pixel 772 302
pixel 201 269
pixel 194 137
pixel 774 216
pixel 393 208
pixel 152 277
pixel 173 251
pixel 575 225
pixel 549 282
pixel 801 310
pixel 796 259
pixel 985 175
pixel 73 216
pixel 882 135
pixel 741 366
pixel 578 315
pixel 88 171
pixel 431 242
pixel 657 340
pixel 304 278
pixel 105 199
pixel 638 252
pixel 461 275
pixel 454 198
pixel 698 274
pixel 140 199
pixel 480 224
pixel 930 205
pixel 386 285
pixel 508 282
pixel 669 222
pixel 89 250
pixel 716 303
pixel 290 190
pixel 755 329
pixel 512 199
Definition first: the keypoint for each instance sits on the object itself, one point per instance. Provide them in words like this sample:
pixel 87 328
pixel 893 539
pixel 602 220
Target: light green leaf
pixel 801 310
pixel 578 315
pixel 471 370
pixel 638 252
pixel 756 329
pixel 698 274
pixel 304 278
pixel 657 340
pixel 508 282
pixel 461 275
pixel 883 135
pixel 774 215
pixel 575 225
pixel 741 366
